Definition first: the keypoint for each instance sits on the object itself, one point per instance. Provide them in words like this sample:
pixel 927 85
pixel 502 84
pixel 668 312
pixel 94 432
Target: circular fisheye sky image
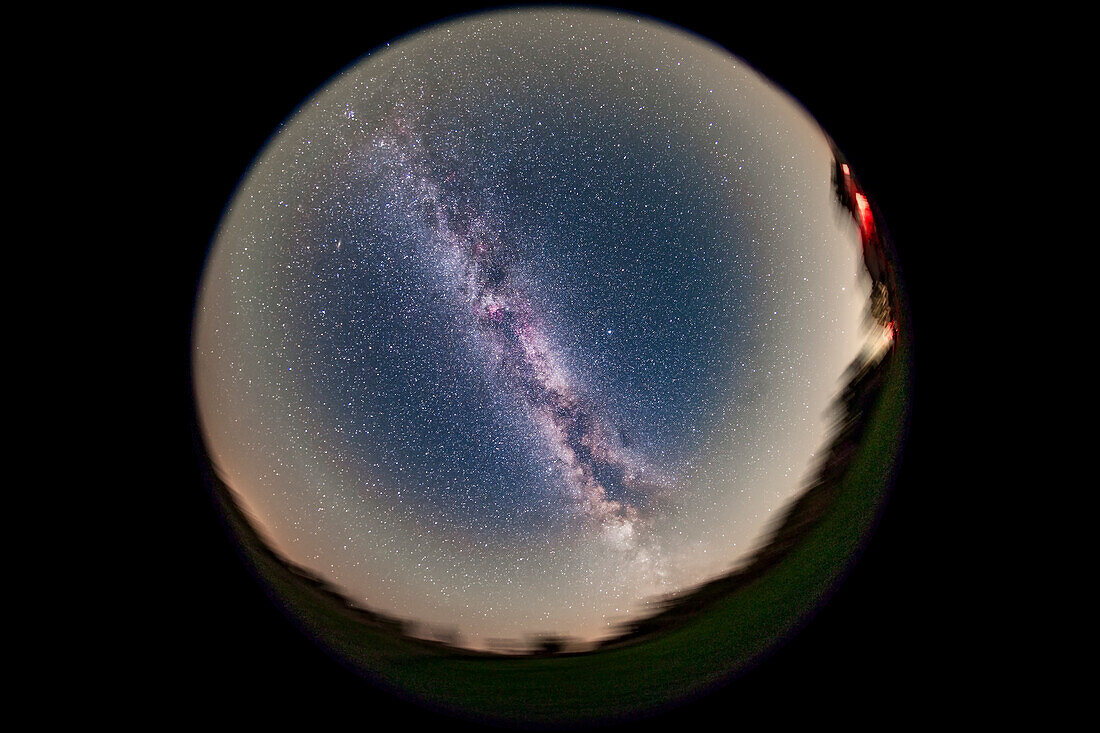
pixel 551 366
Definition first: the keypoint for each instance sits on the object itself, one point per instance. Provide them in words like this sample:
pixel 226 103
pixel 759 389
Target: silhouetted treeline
pixel 803 514
pixel 357 611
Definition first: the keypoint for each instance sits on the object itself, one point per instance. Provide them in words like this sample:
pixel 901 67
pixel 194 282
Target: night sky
pixel 526 319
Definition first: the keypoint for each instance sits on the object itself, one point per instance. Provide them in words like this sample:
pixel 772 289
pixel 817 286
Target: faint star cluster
pixel 526 319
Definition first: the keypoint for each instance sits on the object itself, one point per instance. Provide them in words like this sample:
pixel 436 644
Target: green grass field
pixel 724 639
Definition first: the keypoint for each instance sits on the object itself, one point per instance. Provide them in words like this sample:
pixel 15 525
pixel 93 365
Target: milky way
pixel 526 320
pixel 513 333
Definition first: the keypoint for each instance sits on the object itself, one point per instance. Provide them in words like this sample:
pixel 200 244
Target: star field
pixel 526 319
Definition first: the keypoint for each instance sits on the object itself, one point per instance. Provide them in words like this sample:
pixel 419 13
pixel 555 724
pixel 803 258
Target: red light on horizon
pixel 844 167
pixel 864 213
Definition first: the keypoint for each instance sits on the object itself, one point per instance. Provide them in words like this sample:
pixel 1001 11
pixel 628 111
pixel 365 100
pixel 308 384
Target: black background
pixel 876 653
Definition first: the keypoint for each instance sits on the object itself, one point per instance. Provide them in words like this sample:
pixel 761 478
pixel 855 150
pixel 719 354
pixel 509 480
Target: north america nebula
pixel 527 319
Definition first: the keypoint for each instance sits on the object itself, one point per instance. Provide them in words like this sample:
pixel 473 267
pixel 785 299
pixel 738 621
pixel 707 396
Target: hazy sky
pixel 527 318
